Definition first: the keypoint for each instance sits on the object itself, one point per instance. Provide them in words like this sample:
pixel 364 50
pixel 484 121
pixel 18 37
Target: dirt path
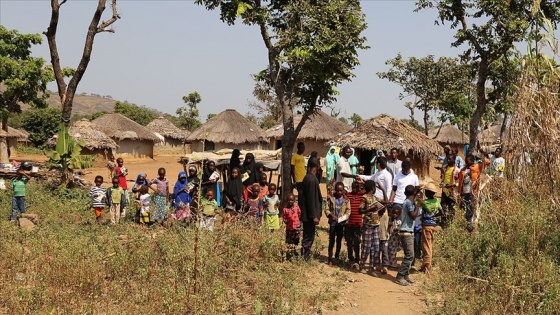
pixel 364 294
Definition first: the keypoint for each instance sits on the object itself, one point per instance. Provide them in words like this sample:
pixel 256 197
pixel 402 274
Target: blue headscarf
pixel 139 182
pixel 331 160
pixel 353 160
pixel 180 196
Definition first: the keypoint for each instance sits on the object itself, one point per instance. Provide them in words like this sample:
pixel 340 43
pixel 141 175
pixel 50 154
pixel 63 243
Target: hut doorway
pixel 365 159
pixel 209 145
pixel 278 144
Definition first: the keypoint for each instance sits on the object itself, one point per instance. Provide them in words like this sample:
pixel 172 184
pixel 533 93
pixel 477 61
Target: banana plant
pixel 67 155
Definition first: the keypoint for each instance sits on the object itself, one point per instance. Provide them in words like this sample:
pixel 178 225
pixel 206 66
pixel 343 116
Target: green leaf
pixel 242 7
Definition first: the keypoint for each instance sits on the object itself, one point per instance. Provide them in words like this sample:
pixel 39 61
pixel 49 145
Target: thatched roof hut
pixel 96 142
pixel 491 135
pixel 20 134
pixel 132 138
pixel 167 129
pixel 228 129
pixel 319 128
pixel 384 132
pixel 13 136
pixel 448 134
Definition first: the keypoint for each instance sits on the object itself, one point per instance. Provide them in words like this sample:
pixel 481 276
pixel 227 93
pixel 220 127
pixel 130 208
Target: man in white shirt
pixel 382 179
pixel 394 164
pixel 400 181
pixel 498 163
pixel 343 170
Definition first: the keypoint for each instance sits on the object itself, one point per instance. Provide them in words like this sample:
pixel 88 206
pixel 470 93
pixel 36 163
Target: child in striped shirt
pixel 98 198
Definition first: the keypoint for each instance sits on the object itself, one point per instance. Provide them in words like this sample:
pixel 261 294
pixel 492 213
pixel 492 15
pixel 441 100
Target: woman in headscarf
pixel 234 161
pixel 140 181
pixel 193 183
pixel 210 178
pixel 331 160
pixel 354 162
pixel 233 192
pixel 250 167
pixel 181 198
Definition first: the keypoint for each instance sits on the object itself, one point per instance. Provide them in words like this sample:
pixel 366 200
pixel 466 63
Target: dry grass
pixel 68 265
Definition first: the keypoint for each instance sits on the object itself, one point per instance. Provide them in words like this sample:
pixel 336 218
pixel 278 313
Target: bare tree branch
pixel 103 26
pixel 55 59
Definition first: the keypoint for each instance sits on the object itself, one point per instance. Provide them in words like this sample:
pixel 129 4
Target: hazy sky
pixel 162 50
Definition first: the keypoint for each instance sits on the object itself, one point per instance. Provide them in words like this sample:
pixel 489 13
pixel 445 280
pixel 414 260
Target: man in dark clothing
pixel 310 202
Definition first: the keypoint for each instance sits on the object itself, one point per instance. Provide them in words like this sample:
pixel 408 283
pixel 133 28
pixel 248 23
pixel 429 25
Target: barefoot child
pixel 254 205
pixel 145 202
pixel 411 208
pixel 209 210
pixel 271 204
pixel 162 196
pixel 338 206
pixel 393 242
pixel 430 208
pixel 291 216
pixel 353 230
pixel 370 208
pixel 115 195
pixel 98 198
pixel 121 172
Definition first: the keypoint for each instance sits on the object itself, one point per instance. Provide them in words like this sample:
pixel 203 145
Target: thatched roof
pixel 120 127
pixel 448 134
pixel 228 126
pixel 20 134
pixel 319 126
pixel 166 128
pixel 89 133
pixel 385 132
pixel 491 135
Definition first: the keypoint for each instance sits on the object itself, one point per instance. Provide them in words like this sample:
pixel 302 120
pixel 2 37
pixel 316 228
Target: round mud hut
pixel 132 138
pixel 227 130
pixel 318 129
pixel 173 137
pixel 451 136
pixel 383 133
pixel 96 142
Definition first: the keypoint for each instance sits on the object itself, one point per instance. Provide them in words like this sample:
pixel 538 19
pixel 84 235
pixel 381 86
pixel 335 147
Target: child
pixel 394 245
pixel 271 203
pixel 121 172
pixel 254 205
pixel 291 217
pixel 338 207
pixel 145 201
pixel 115 196
pixel 18 199
pixel 430 208
pixel 263 183
pixel 411 208
pixel 209 209
pixel 98 196
pixel 233 194
pixel 140 181
pixel 161 197
pixel 353 230
pixel 181 198
pixel 370 208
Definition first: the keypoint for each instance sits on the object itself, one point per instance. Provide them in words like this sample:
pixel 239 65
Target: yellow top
pixel 298 162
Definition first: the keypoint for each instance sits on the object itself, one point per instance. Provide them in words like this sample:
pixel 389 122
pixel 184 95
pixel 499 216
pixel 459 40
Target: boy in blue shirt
pixel 411 209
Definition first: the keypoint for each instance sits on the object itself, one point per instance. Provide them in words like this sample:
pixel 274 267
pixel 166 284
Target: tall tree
pixel 41 124
pixel 23 78
pixel 139 114
pixel 432 82
pixel 356 120
pixel 67 92
pixel 490 29
pixel 312 47
pixel 189 116
pixel 267 106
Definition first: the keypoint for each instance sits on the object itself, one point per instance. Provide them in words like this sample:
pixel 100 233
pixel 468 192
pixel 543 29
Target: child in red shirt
pixel 353 230
pixel 291 215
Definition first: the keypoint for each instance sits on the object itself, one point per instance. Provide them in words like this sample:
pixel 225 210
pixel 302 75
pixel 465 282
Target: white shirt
pixel 401 181
pixel 343 166
pixel 496 162
pixel 394 167
pixel 384 179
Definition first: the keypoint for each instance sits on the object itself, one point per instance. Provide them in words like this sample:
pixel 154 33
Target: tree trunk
pixel 439 129
pixel 504 125
pixel 4 156
pixel 288 142
pixel 480 104
pixel 426 118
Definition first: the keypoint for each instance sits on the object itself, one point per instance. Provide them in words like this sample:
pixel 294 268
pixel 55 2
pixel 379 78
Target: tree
pixel 23 78
pixel 210 116
pixel 312 47
pixel 141 115
pixel 252 117
pixel 267 106
pixel 356 120
pixel 67 92
pixel 490 29
pixel 189 116
pixel 431 81
pixel 41 124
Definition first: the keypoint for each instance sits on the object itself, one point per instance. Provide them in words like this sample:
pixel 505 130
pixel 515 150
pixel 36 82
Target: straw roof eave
pixel 448 134
pixel 385 132
pixel 166 128
pixel 228 127
pixel 90 134
pixel 119 127
pixel 319 127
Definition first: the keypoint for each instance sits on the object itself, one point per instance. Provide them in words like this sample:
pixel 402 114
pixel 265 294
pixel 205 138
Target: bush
pixel 509 265
pixel 41 124
pixel 70 265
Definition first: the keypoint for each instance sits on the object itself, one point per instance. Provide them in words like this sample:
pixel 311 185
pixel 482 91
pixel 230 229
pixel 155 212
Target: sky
pixel 162 50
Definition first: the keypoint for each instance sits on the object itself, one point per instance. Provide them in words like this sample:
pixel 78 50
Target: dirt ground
pixel 360 294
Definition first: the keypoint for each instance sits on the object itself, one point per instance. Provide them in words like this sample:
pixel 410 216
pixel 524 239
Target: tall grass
pixel 509 265
pixel 69 265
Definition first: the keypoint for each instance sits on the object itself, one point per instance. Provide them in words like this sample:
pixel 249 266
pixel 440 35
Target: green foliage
pixel 107 269
pixel 41 124
pixel 436 84
pixel 25 149
pixel 23 78
pixel 67 153
pixel 139 114
pixel 509 265
pixel 356 119
pixel 88 117
pixel 210 116
pixel 189 116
